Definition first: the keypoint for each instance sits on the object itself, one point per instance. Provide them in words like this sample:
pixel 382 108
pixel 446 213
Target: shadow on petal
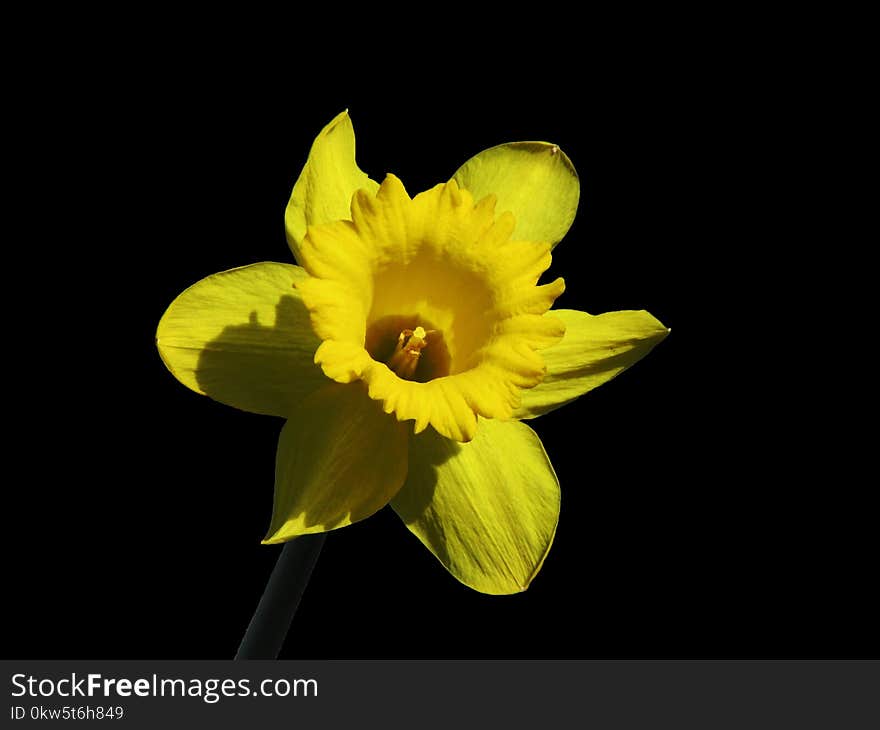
pixel 264 368
pixel 428 451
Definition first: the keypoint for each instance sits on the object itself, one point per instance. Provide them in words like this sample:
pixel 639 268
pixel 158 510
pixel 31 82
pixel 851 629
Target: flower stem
pixel 266 632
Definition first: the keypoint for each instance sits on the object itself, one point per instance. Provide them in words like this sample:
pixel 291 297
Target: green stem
pixel 266 632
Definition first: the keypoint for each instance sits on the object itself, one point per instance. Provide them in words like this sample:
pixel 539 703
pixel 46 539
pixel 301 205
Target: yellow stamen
pixel 408 350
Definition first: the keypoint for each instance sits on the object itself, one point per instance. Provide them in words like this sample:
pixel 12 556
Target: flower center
pixel 408 351
pixel 409 346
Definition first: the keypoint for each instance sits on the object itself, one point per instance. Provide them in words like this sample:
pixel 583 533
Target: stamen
pixel 405 358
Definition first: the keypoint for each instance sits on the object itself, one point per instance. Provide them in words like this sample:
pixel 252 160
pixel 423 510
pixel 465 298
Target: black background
pixel 688 527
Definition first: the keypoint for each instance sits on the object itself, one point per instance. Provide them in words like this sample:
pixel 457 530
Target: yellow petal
pixel 534 180
pixel 486 509
pixel 323 191
pixel 594 349
pixel 243 338
pixel 339 460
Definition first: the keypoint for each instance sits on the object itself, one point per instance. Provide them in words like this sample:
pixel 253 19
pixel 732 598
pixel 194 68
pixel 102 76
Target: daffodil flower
pixel 407 349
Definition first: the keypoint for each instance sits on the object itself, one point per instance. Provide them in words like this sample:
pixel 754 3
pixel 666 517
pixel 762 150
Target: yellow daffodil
pixel 406 350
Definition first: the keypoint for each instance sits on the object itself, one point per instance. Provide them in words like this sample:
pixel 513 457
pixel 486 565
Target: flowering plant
pixel 408 348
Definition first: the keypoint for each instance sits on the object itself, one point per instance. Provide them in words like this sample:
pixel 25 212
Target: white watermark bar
pixel 451 693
